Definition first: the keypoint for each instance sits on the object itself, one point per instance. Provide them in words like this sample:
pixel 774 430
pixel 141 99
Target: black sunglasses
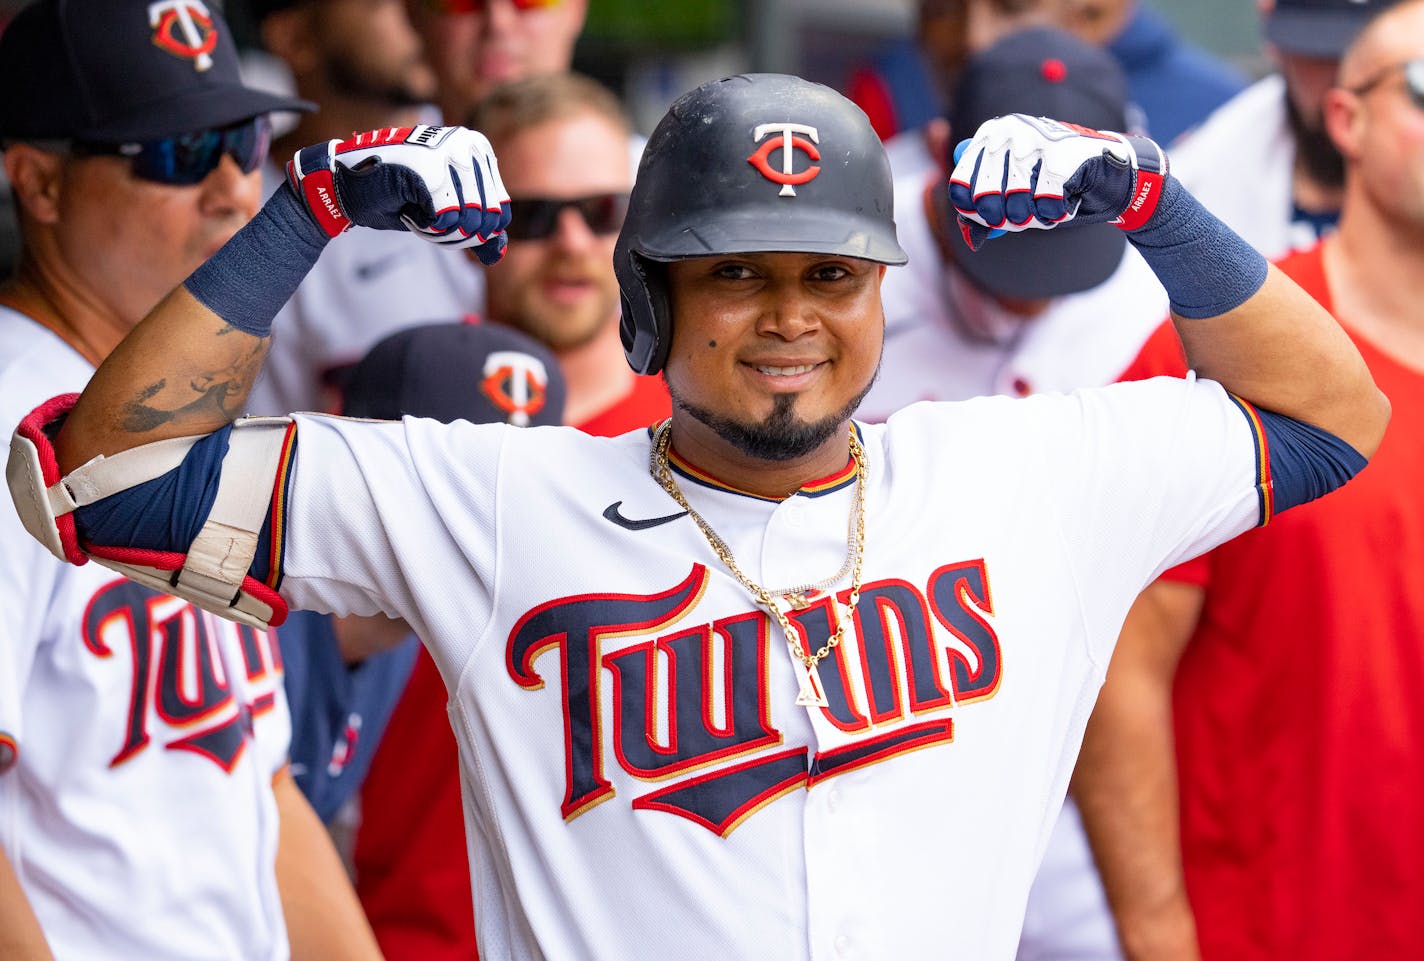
pixel 188 158
pixel 1413 80
pixel 535 218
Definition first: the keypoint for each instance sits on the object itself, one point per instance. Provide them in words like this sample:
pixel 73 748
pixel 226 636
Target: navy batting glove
pixel 1021 172
pixel 441 183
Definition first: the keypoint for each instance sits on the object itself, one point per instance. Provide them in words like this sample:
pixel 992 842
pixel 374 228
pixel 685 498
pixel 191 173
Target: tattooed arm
pixel 182 371
pixel 188 367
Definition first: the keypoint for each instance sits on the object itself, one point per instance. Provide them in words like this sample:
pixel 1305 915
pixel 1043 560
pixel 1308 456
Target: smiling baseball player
pixel 824 700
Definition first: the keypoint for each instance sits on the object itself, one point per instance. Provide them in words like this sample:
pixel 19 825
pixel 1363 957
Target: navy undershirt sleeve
pixel 165 514
pixel 1305 461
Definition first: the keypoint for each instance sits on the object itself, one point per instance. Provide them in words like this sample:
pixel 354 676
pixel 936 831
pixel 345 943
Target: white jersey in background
pixel 139 737
pixel 363 289
pixel 1248 132
pixel 639 781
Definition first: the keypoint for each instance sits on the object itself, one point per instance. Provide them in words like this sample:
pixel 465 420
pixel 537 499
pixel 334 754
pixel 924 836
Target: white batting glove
pixel 440 183
pixel 1021 172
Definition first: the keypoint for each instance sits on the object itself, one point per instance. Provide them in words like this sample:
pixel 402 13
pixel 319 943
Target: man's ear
pixel 1344 117
pixel 37 178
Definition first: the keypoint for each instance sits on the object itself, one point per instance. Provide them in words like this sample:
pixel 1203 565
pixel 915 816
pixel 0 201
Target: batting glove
pixel 440 183
pixel 1021 172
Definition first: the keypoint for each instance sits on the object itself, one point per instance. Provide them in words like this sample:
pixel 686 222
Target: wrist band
pixel 1206 268
pixel 257 271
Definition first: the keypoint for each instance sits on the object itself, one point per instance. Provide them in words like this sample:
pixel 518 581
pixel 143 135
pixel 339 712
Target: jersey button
pixel 842 945
pixel 796 513
pixel 833 801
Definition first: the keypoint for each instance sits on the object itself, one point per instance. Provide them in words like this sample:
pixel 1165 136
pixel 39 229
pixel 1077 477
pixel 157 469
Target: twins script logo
pixel 184 28
pixel 516 383
pixel 788 143
pixel 691 705
pixel 184 692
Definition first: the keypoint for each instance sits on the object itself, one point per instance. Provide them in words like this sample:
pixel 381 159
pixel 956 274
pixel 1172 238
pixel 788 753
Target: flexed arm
pixel 187 368
pixel 1243 323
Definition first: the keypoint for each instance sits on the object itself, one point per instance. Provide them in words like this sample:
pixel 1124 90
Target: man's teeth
pixel 786 371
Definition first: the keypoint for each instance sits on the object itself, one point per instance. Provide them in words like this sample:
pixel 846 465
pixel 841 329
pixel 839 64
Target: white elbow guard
pixel 213 573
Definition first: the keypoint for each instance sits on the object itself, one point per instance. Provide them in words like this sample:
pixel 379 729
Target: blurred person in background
pixel 1172 85
pixel 907 84
pixel 147 810
pixel 1252 774
pixel 1276 128
pixel 362 63
pixel 562 143
pixel 475 45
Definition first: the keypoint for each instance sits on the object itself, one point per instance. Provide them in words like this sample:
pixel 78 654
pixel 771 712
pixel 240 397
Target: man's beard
pixel 781 436
pixel 1315 150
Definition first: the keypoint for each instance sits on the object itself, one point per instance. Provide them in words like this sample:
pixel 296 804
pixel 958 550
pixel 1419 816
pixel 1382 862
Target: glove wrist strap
pixel 312 174
pixel 1151 175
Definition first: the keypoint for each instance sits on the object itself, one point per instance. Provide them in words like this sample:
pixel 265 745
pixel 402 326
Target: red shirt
pixel 412 871
pixel 1299 707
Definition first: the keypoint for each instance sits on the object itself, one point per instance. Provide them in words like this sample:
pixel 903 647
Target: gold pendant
pixel 798 601
pixel 811 691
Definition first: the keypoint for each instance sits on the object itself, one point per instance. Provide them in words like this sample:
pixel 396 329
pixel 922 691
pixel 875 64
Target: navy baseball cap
pixel 1320 28
pixel 1043 72
pixel 482 373
pixel 120 71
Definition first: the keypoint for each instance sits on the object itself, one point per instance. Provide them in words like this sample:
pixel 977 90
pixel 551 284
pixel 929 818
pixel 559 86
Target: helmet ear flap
pixel 646 324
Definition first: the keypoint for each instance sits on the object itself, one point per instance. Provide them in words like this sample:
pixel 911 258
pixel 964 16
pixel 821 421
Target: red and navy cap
pixel 1320 28
pixel 120 71
pixel 483 373
pixel 1043 72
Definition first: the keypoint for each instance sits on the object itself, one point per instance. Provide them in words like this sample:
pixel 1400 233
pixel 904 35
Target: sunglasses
pixel 478 6
pixel 1413 80
pixel 537 218
pixel 188 158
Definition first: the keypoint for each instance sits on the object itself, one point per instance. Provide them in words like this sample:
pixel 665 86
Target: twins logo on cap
pixel 516 383
pixel 184 28
pixel 788 143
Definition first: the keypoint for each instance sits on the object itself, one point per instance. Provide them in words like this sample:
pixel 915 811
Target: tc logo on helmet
pixel 184 28
pixel 516 383
pixel 788 143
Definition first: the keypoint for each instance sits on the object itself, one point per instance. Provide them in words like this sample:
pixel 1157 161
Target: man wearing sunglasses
pixel 146 811
pixel 1265 698
pixel 562 140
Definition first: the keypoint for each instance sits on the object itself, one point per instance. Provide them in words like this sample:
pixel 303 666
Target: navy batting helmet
pixel 759 163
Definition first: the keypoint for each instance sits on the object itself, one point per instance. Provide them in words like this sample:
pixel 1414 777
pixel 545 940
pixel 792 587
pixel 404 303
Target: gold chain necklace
pixel 812 693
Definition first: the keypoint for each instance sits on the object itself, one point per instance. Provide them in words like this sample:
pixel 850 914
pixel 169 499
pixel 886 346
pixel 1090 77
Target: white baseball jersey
pixel 947 340
pixel 638 780
pixel 1249 132
pixel 138 741
pixel 370 285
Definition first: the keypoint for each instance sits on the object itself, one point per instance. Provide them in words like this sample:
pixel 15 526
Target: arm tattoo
pixel 210 399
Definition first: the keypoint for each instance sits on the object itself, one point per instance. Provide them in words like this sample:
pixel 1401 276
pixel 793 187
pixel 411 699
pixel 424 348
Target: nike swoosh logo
pixel 611 513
